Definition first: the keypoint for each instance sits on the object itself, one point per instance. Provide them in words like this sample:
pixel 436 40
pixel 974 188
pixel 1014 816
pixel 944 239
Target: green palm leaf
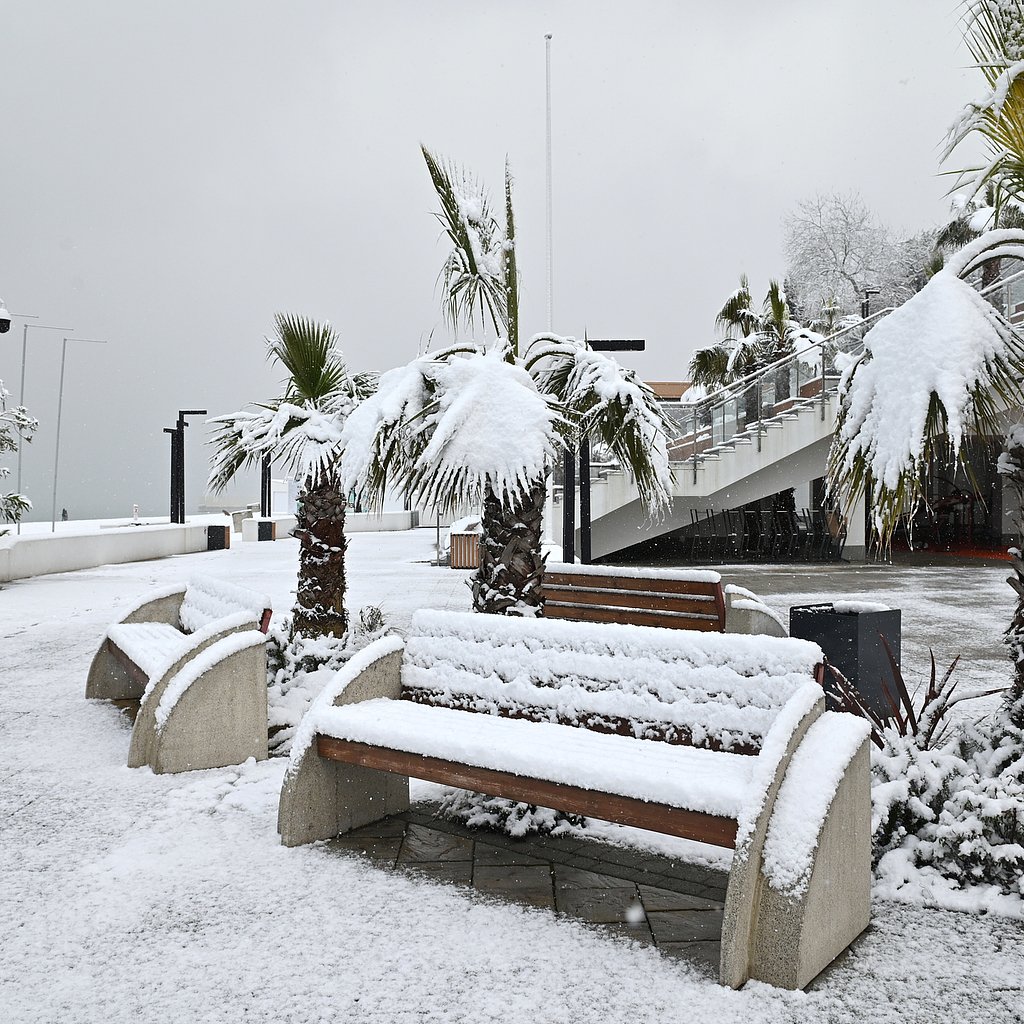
pixel 302 428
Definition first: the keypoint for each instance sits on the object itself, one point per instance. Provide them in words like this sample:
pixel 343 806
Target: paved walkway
pixel 650 899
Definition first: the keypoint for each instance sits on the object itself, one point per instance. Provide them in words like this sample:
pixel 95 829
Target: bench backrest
pixel 208 600
pixel 716 691
pixel 672 599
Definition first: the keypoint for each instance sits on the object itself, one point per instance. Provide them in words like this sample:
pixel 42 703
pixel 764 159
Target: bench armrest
pixel 786 734
pixel 161 606
pixel 373 672
pixel 321 798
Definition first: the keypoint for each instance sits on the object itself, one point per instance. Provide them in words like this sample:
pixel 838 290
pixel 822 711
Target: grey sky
pixel 174 173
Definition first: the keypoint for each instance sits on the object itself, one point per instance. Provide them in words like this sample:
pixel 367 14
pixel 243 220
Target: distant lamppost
pixel 865 306
pixel 60 407
pixel 569 471
pixel 265 487
pixel 178 463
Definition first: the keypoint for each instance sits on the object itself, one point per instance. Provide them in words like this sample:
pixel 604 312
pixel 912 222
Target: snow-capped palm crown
pixel 302 428
pixel 448 427
pixel 941 366
pixel 452 424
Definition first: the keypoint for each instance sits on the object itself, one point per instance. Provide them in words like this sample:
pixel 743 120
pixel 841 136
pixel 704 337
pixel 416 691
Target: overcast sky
pixel 173 174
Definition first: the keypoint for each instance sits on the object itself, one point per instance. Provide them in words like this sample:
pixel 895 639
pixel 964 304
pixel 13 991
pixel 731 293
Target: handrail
pixel 814 355
pixel 738 385
pixel 729 390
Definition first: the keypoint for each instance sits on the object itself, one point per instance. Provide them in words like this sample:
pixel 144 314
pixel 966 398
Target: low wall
pixel 39 554
pixel 25 556
pixel 386 522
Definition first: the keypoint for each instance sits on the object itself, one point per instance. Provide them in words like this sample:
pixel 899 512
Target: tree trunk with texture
pixel 1012 467
pixel 511 571
pixel 320 528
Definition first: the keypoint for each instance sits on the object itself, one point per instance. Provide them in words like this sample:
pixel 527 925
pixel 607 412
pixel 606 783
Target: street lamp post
pixel 60 407
pixel 865 306
pixel 178 463
pixel 21 391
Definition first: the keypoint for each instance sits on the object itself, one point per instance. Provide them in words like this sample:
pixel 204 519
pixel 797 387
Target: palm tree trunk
pixel 320 528
pixel 1012 466
pixel 511 571
pixel 1015 641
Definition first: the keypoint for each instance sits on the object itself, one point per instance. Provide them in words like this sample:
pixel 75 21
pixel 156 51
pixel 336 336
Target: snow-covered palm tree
pixel 481 421
pixel 752 338
pixel 302 430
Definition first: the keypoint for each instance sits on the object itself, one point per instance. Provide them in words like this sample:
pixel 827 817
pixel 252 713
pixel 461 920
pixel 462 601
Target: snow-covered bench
pixel 720 739
pixel 670 598
pixel 194 658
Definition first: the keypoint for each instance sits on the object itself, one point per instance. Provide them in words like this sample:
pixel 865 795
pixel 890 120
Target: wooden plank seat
pixel 508 707
pixel 210 634
pixel 671 598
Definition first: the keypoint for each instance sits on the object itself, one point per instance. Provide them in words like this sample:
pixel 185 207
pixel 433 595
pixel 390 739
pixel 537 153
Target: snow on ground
pixel 126 896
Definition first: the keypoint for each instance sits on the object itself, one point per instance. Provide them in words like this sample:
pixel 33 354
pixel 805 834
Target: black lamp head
pixel 5 318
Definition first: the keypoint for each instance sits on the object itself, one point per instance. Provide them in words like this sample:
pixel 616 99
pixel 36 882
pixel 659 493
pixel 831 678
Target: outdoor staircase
pixel 722 457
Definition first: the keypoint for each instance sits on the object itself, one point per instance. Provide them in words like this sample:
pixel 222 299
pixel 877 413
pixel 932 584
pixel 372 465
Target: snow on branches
pixel 16 427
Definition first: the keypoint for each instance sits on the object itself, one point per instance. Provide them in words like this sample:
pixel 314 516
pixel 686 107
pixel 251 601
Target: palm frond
pixel 710 367
pixel 737 312
pixel 511 273
pixel 309 352
pixel 474 270
pixel 604 400
pixel 890 425
pixel 301 429
pixel 996 43
pixel 439 429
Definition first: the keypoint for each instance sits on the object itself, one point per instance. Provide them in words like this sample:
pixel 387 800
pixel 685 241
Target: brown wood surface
pixel 693 606
pixel 631 617
pixel 673 821
pixel 611 582
pixel 637 598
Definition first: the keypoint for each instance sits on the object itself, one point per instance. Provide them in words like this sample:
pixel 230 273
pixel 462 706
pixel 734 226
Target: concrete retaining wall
pixel 386 522
pixel 25 556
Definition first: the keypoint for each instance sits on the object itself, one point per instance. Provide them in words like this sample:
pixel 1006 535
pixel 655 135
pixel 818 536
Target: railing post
pixel 823 385
pixel 760 408
pixel 695 445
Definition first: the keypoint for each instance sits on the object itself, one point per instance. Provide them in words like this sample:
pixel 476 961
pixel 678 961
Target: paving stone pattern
pixel 650 899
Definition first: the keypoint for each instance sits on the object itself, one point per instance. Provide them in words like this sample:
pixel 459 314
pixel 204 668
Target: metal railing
pixel 743 411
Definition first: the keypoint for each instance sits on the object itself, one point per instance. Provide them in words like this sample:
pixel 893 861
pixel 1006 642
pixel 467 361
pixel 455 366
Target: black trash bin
pixel 849 633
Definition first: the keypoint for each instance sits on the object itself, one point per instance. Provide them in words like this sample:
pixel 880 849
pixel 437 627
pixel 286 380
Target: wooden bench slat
pixel 704 606
pixel 675 821
pixel 636 618
pixel 633 599
pixel 648 583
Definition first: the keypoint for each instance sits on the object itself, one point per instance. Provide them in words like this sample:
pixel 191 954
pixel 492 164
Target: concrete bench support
pixel 321 799
pixel 219 711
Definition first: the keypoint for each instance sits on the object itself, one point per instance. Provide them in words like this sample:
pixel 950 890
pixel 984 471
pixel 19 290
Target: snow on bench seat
pixel 685 777
pixel 150 645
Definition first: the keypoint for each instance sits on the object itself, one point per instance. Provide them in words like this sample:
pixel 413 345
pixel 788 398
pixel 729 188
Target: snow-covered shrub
pixel 919 761
pixel 979 836
pixel 911 784
pixel 298 667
